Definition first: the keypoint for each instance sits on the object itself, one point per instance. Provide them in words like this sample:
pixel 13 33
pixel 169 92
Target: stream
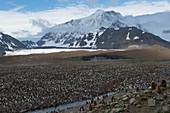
pixel 69 105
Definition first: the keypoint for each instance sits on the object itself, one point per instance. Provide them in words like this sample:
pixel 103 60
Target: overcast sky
pixel 24 18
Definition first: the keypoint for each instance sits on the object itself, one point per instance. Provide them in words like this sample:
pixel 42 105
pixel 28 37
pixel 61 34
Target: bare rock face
pixel 29 43
pixel 126 37
pixel 151 102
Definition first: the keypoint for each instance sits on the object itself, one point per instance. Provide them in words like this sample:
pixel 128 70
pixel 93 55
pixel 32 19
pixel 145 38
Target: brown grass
pixel 45 58
pixel 149 53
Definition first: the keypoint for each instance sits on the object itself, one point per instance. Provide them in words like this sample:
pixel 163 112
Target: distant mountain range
pixel 8 43
pixel 102 30
pixel 29 43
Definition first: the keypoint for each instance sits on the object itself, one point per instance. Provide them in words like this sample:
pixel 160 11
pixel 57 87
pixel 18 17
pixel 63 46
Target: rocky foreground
pixel 155 99
pixel 27 87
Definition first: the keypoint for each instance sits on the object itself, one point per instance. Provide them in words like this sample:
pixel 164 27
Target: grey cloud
pixel 41 23
pixel 22 31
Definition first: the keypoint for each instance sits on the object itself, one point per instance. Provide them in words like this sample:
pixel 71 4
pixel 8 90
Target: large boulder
pixel 151 102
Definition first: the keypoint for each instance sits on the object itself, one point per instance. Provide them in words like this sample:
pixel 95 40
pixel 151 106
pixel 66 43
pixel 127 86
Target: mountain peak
pixel 99 11
pixel 92 23
pixel 103 12
pixel 8 43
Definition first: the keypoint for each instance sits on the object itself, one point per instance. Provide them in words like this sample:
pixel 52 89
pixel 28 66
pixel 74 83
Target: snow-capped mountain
pixel 93 22
pixel 67 34
pixel 29 43
pixel 84 32
pixel 126 37
pixel 9 43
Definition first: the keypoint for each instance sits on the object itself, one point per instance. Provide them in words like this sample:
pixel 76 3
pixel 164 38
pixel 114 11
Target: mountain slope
pixel 70 32
pixel 9 43
pixel 84 32
pixel 93 22
pixel 127 36
pixel 29 43
pixel 155 52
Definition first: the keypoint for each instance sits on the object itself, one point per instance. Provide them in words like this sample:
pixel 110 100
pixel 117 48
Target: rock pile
pixel 150 100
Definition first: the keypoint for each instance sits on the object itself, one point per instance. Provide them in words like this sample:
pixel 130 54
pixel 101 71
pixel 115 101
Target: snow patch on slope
pixel 52 43
pixel 91 43
pixel 0 36
pixel 127 36
pixel 9 46
pixel 136 38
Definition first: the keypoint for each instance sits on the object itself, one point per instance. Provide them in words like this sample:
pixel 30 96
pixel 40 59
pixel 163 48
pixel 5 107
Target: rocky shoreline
pixel 154 99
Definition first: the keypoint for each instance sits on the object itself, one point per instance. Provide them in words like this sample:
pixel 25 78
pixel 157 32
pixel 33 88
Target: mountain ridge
pixel 8 43
pixel 71 33
pixel 74 30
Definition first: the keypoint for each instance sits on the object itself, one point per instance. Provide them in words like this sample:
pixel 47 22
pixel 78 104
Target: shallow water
pixel 61 107
pixel 69 105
